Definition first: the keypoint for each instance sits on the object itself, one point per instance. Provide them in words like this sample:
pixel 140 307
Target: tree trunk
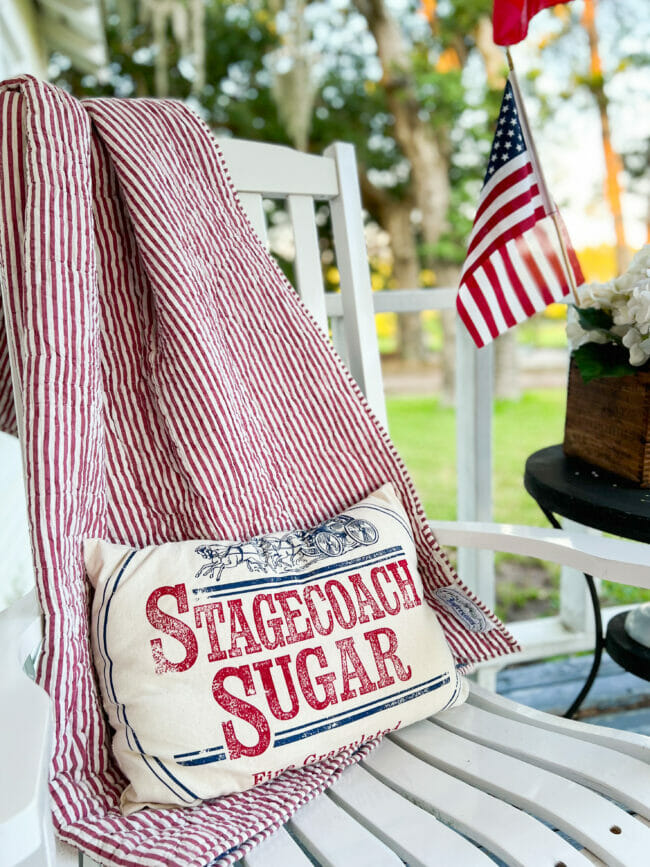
pixel 294 89
pixel 613 163
pixel 429 165
pixel 416 138
pixel 447 277
pixel 396 219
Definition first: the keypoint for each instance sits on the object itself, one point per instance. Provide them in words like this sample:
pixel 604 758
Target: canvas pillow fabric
pixel 222 664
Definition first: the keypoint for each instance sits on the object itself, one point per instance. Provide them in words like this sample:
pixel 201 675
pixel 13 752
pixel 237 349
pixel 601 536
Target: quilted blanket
pixel 166 383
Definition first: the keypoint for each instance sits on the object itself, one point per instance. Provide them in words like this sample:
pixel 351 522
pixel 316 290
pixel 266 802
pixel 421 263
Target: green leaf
pixel 592 319
pixel 597 360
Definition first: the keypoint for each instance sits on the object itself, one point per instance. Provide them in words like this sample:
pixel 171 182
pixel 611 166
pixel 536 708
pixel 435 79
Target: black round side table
pixel 596 498
pixel 625 650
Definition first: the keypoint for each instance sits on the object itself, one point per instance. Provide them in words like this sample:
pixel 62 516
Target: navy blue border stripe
pixel 201 760
pixel 455 693
pixel 101 634
pixel 296 577
pixel 369 704
pixel 105 607
pixel 360 713
pixel 202 757
pixel 197 752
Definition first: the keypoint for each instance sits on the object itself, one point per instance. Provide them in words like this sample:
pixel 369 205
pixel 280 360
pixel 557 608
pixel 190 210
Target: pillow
pixel 223 663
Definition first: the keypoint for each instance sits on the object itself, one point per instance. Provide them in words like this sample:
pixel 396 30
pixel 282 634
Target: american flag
pixel 514 265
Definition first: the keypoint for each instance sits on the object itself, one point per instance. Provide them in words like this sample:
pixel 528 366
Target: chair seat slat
pixel 577 811
pixel 280 850
pixel 334 839
pixel 620 777
pixel 513 836
pixel 413 833
pixel 630 743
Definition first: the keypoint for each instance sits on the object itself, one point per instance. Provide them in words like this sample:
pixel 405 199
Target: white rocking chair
pixel 491 776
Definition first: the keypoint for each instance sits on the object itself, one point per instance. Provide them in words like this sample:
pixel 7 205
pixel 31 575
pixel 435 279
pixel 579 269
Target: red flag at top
pixel 511 18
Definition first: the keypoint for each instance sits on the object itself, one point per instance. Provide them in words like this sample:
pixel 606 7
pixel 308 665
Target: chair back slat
pixel 276 171
pixel 356 291
pixel 309 272
pixel 273 171
pixel 254 207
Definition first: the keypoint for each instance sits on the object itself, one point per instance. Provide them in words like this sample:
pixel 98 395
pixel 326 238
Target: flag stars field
pixel 515 265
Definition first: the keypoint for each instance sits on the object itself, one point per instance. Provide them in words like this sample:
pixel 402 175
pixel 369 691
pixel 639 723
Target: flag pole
pixel 548 203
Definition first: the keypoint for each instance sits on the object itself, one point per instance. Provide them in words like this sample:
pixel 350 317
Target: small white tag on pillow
pixel 457 603
pixel 223 663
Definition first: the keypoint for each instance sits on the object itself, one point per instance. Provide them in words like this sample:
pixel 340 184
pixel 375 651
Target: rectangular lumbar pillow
pixel 222 664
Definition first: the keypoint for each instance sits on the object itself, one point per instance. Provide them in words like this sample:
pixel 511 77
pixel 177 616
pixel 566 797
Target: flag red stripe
pixel 469 323
pixel 501 187
pixel 530 263
pixel 551 256
pixel 509 234
pixel 481 302
pixel 519 203
pixel 516 283
pixel 573 259
pixel 506 312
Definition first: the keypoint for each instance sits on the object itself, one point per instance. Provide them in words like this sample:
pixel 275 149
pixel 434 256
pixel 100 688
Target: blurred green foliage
pixel 351 100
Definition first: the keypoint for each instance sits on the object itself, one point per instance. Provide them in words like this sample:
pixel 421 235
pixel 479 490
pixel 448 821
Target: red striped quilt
pixel 166 383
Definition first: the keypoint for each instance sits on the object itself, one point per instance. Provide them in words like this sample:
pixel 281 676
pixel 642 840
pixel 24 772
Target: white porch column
pixel 474 386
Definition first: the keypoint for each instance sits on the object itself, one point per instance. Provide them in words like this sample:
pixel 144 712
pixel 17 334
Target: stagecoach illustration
pixel 288 552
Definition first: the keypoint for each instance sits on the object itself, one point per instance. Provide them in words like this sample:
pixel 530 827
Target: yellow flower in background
pixel 386 324
pixel 598 263
pixel 376 281
pixel 555 311
pixel 427 277
pixel 332 275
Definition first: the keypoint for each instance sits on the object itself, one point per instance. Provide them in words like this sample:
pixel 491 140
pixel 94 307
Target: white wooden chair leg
pixel 68 856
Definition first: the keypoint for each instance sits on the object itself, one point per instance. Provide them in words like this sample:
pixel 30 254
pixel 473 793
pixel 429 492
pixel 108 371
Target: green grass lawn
pixel 424 433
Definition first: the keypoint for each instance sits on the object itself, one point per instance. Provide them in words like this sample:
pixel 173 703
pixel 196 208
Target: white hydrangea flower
pixel 627 300
pixel 639 306
pixel 637 355
pixel 638 345
pixel 576 334
pixel 596 294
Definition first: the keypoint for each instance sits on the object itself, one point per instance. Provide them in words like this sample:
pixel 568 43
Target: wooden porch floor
pixel 617 698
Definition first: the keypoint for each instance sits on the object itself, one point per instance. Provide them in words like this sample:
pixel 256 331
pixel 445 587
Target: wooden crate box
pixel 608 423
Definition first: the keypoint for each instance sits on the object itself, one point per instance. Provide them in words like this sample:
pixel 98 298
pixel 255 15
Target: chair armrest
pixel 613 559
pixel 25 741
